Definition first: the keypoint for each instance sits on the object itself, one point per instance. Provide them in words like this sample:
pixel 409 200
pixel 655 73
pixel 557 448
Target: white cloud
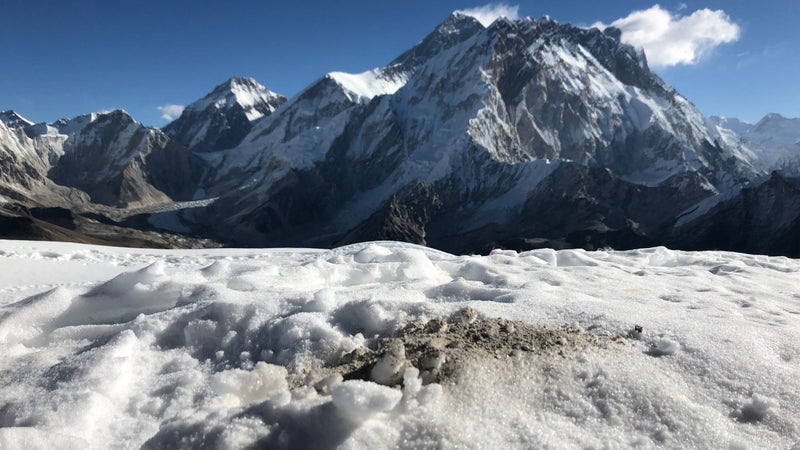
pixel 170 112
pixel 487 14
pixel 669 40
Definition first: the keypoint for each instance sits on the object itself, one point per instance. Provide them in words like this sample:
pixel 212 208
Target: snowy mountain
pixel 774 141
pixel 479 119
pixel 20 161
pixel 522 134
pixel 221 119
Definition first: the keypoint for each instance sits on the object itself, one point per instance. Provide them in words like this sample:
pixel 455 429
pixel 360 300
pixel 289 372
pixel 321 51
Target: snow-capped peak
pixel 455 29
pixel 459 21
pixel 774 140
pixel 221 119
pixel 772 116
pixel 255 99
pixel 14 120
pixel 776 123
pixel 71 126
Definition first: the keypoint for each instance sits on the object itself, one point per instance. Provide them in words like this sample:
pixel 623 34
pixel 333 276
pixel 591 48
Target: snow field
pixel 119 348
pixel 369 84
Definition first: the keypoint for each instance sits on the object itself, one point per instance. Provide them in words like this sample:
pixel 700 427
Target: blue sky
pixel 64 58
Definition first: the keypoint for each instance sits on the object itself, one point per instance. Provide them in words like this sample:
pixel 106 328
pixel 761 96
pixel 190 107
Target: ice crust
pixel 119 348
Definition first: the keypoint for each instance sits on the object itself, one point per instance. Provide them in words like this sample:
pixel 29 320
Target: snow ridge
pixel 371 83
pixel 13 120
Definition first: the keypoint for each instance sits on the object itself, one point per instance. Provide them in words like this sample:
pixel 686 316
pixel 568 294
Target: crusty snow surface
pixel 119 348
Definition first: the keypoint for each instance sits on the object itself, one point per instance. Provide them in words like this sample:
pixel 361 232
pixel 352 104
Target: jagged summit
pixel 221 119
pixel 385 81
pixel 458 22
pixel 779 126
pixel 456 28
pixel 13 120
pixel 776 141
pixel 234 83
pixel 255 99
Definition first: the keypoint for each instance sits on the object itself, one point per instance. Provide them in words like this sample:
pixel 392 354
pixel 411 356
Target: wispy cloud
pixel 670 40
pixel 487 14
pixel 170 112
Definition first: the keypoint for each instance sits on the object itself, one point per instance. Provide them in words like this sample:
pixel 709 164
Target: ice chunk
pixel 250 387
pixel 360 400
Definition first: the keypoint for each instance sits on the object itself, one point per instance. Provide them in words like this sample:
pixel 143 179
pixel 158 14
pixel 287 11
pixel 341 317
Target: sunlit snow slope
pixel 119 348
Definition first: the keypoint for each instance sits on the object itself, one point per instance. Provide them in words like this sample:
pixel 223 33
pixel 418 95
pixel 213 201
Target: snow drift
pixel 118 348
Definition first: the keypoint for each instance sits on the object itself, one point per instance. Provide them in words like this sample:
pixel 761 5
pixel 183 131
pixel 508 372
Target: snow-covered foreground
pixel 119 348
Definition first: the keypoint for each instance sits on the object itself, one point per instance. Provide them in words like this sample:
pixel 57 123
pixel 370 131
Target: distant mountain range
pixel 522 134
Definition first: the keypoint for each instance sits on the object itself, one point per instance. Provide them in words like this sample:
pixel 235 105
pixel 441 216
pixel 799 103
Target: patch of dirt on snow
pixel 440 349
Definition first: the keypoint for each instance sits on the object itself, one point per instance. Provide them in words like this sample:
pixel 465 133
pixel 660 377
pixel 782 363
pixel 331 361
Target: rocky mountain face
pixel 119 162
pixel 106 159
pixel 25 162
pixel 764 218
pixel 66 180
pixel 522 134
